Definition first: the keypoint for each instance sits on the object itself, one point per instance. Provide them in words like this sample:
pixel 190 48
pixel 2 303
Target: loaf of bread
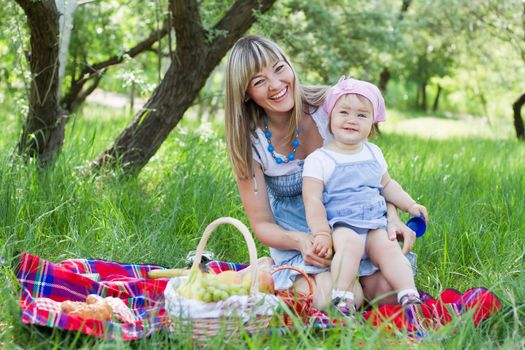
pixel 95 307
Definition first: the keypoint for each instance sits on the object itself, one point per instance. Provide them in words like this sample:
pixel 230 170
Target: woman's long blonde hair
pixel 249 56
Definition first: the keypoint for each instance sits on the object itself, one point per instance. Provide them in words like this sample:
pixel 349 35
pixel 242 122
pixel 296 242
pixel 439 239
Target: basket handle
pixel 252 251
pixel 307 278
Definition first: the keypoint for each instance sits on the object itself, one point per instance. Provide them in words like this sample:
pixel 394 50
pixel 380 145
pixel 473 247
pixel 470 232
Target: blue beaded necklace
pixel 271 149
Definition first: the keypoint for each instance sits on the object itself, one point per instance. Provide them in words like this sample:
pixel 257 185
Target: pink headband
pixel 359 87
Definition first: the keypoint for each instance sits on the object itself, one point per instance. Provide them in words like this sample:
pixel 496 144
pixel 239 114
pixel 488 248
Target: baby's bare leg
pixel 322 283
pixel 349 248
pixel 387 255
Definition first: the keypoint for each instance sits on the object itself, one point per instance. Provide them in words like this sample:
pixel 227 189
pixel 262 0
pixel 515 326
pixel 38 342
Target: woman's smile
pixel 280 94
pixel 272 88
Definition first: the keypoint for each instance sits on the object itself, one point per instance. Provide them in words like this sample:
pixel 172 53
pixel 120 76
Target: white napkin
pixel 236 305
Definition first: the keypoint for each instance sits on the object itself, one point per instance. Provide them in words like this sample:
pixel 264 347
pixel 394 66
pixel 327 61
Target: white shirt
pixel 319 166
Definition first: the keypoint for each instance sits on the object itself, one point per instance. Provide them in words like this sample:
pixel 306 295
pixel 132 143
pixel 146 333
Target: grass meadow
pixel 473 186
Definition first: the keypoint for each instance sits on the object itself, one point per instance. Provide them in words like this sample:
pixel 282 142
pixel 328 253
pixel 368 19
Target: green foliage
pixel 447 43
pixel 101 31
pixel 14 45
pixel 473 51
pixel 14 68
pixel 491 57
pixel 326 39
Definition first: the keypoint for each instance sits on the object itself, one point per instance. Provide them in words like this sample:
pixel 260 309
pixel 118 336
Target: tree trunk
pixel 43 133
pixel 404 9
pixel 424 96
pixel 516 106
pixel 483 101
pixel 384 77
pixel 518 121
pixel 435 106
pixel 195 58
pixel 418 93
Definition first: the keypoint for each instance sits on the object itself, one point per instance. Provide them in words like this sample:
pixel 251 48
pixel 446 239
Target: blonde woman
pixel 272 123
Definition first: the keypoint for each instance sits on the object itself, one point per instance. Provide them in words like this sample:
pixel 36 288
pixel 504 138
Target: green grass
pixel 474 188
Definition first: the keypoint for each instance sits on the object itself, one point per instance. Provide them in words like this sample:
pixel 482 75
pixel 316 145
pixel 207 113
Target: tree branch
pixel 196 55
pixel 84 93
pixel 69 101
pixel 144 45
pixel 237 21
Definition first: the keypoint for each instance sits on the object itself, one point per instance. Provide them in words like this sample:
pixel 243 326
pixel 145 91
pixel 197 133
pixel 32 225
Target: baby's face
pixel 351 119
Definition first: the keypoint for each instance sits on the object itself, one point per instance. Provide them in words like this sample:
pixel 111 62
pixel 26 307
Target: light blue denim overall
pixel 287 205
pixel 352 196
pixel 285 193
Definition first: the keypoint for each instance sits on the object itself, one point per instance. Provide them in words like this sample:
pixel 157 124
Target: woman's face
pixel 272 88
pixel 351 119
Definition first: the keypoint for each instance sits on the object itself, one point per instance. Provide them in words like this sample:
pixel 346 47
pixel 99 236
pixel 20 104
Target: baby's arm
pixel 316 216
pixel 394 193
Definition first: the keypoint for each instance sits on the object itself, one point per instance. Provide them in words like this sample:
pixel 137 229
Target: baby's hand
pixel 323 245
pixel 417 210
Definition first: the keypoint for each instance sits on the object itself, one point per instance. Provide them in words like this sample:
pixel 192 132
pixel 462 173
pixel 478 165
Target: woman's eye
pixel 279 68
pixel 362 116
pixel 258 82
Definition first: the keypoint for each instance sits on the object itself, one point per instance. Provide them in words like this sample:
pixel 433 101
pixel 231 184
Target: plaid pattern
pixel 220 266
pixel 434 313
pixel 45 285
pixel 417 320
pixel 141 300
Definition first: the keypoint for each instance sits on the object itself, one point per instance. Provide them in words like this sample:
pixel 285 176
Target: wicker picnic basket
pixel 203 329
pixel 300 303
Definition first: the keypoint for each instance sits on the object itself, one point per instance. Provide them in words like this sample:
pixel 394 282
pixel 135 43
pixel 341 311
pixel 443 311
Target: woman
pixel 272 123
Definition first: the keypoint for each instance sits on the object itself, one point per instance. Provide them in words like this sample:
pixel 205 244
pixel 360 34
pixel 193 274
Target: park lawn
pixel 473 187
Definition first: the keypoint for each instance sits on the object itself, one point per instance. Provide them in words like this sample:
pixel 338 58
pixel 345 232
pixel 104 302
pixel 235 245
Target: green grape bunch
pixel 212 288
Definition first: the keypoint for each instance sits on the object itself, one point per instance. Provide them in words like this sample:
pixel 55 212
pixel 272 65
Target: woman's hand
pixel 398 230
pixel 309 256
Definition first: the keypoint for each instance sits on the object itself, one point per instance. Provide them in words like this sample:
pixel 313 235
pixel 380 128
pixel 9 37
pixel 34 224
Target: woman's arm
pixel 259 213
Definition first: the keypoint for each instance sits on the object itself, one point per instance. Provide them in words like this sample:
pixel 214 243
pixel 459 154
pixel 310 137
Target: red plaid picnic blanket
pixel 45 284
pixel 416 319
pixel 436 312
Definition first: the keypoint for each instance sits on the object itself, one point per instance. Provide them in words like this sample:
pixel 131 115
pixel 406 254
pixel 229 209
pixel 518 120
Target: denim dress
pixel 285 193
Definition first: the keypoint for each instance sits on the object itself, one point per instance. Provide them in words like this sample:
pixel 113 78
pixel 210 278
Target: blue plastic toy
pixel 418 225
